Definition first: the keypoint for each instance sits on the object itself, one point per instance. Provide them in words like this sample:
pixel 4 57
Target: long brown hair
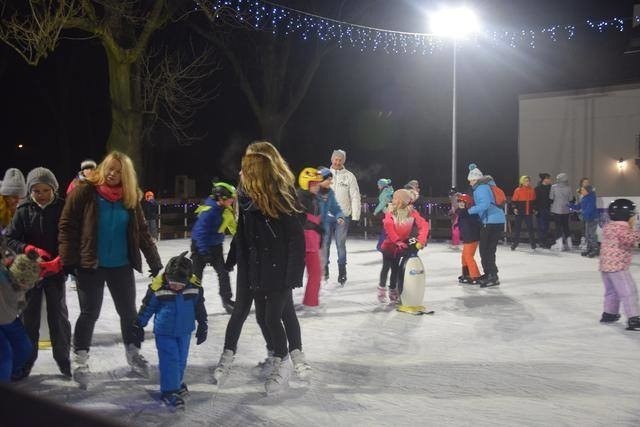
pixel 267 185
pixel 131 194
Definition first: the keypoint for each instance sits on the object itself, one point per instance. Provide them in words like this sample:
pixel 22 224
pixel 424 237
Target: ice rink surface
pixel 530 352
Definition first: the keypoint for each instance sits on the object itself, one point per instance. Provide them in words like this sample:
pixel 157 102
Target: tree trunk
pixel 271 127
pixel 126 119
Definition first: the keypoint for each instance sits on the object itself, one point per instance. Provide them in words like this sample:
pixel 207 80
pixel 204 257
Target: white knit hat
pixel 13 183
pixel 88 164
pixel 42 175
pixel 474 173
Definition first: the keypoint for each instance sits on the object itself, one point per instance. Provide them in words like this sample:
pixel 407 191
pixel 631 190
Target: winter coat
pixel 12 297
pixel 543 202
pixel 150 209
pixel 560 194
pixel 484 202
pixel 328 206
pixel 175 312
pixel 384 198
pixel 205 232
pixel 270 251
pixel 78 232
pixel 33 225
pixel 469 226
pixel 618 243
pixel 313 229
pixel 345 185
pixel 397 232
pixel 587 207
pixel 523 200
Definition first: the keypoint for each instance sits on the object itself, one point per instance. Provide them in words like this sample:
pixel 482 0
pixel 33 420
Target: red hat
pixel 466 199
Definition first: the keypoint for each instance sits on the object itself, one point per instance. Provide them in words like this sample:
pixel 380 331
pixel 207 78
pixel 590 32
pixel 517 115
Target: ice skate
pixel 184 391
pixel 633 323
pixel 393 296
pixel 65 368
pixel 279 377
pixel 382 294
pixel 263 369
pixel 609 317
pixel 138 363
pixel 489 280
pixel 470 281
pixel 300 365
pixel 222 371
pixel 80 368
pixel 326 273
pixel 342 274
pixel 173 401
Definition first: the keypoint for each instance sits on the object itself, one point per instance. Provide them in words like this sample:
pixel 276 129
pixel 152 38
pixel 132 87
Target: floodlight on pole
pixel 455 23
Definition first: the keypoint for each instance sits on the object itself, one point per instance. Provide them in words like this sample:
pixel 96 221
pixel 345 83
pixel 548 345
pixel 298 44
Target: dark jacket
pixel 150 209
pixel 33 225
pixel 270 251
pixel 543 202
pixel 78 232
pixel 469 226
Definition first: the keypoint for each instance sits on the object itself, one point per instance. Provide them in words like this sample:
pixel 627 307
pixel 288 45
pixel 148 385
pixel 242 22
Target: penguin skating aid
pixel 412 286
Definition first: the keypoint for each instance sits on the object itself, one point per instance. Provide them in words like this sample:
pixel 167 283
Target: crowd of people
pixel 278 229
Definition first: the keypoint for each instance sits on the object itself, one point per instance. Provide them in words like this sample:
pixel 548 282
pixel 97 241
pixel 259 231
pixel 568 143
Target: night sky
pixel 391 113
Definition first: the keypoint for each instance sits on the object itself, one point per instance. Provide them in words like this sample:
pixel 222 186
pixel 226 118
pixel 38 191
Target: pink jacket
pixel 400 232
pixel 618 243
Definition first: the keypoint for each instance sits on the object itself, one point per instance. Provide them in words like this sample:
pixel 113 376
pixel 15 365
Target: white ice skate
pixel 222 371
pixel 279 378
pixel 138 363
pixel 80 368
pixel 300 365
pixel 263 369
pixel 382 295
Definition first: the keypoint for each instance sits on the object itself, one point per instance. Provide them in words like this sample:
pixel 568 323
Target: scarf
pixel 112 194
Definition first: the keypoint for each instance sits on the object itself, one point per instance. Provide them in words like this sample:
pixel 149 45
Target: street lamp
pixel 455 23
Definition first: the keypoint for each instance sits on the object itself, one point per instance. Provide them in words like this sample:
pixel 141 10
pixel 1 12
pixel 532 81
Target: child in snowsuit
pixel 470 231
pixel 207 237
pixel 177 301
pixel 589 214
pixel 399 222
pixel 15 345
pixel 309 181
pixel 35 227
pixel 620 237
pixel 523 202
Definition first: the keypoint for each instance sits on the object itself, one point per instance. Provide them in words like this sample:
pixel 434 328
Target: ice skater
pixel 470 232
pixel 176 299
pixel 620 238
pixel 523 201
pixel 589 215
pixel 399 222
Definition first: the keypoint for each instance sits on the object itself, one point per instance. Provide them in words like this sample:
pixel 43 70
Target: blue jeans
pixel 172 358
pixel 543 220
pixel 590 234
pixel 340 231
pixel 15 348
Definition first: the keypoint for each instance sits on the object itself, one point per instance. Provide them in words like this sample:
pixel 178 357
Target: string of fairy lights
pixel 281 20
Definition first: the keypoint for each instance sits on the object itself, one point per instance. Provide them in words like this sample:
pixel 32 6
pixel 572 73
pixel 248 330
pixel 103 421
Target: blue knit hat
pixel 384 182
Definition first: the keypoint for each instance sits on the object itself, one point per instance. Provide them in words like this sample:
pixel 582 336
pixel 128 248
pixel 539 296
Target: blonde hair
pixel 268 186
pixel 280 163
pixel 131 194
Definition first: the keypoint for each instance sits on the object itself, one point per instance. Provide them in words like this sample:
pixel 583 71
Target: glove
pixel 49 268
pixel 154 271
pixel 70 270
pixel 137 333
pixel 41 252
pixel 201 332
pixel 414 245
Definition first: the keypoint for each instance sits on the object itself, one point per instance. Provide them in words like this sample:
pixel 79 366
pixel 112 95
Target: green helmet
pixel 223 191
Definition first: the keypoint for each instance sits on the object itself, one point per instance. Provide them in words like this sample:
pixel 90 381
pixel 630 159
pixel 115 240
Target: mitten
pixel 201 332
pixel 49 268
pixel 41 252
pixel 154 271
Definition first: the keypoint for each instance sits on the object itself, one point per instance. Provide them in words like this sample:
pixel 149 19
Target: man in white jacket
pixel 345 187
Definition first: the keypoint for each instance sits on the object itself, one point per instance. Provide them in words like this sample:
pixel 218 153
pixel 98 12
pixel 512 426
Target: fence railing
pixel 177 216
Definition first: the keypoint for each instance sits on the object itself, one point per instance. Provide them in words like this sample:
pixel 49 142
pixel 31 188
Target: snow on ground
pixel 528 353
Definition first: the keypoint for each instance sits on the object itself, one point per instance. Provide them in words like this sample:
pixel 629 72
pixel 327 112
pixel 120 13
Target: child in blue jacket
pixel 589 213
pixel 177 301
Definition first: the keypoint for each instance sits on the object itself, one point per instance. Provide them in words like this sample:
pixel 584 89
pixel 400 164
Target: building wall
pixel 583 133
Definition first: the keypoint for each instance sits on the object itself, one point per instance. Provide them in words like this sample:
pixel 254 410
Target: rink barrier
pixel 177 216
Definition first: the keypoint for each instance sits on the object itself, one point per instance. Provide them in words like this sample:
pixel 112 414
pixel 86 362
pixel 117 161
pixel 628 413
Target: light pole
pixel 455 23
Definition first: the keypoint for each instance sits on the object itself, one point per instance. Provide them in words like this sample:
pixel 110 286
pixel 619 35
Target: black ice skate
pixel 342 274
pixel 491 279
pixel 609 317
pixel 173 401
pixel 633 323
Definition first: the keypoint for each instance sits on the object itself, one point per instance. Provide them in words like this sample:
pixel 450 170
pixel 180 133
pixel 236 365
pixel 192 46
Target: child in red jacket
pixel 398 223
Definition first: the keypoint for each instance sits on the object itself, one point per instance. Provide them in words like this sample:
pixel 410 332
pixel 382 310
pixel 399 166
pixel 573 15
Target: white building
pixel 590 132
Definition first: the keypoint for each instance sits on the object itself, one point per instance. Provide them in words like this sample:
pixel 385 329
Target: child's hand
pixel 201 332
pixel 137 333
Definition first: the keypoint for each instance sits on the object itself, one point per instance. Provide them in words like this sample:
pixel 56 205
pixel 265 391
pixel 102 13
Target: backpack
pixel 499 197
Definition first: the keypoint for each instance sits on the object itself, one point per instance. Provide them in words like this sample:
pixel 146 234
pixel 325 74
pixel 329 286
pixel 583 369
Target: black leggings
pixel 392 263
pixel 272 309
pixel 122 287
pixel 562 226
pixel 489 236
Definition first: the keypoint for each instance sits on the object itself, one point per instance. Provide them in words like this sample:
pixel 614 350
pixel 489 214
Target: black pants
pixel 122 287
pixel 528 220
pixel 489 236
pixel 213 257
pixel 389 262
pixel 267 306
pixel 53 289
pixel 562 226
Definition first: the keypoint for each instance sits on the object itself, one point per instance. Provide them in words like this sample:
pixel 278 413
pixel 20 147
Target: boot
pixel 228 304
pixel 263 369
pixel 80 368
pixel 382 294
pixel 65 368
pixel 138 363
pixel 633 323
pixel 173 401
pixel 342 274
pixel 465 274
pixel 393 296
pixel 279 377
pixel 222 371
pixel 184 391
pixel 609 317
pixel 491 279
pixel 300 365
